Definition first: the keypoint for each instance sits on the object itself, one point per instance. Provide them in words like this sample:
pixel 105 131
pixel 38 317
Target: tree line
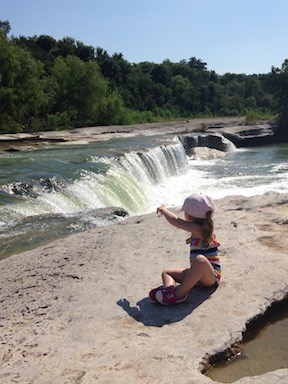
pixel 49 84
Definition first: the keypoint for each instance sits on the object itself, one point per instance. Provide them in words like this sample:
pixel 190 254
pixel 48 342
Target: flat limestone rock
pixel 77 310
pixel 81 136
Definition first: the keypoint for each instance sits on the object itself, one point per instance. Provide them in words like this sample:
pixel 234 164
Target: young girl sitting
pixel 205 269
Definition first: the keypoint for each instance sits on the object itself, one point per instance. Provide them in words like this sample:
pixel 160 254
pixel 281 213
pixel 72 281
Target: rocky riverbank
pixel 231 128
pixel 77 311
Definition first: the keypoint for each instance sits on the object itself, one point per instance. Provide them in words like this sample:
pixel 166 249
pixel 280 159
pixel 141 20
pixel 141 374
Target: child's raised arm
pixel 173 219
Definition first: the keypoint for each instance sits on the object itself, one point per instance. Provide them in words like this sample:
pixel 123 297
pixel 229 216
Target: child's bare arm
pixel 173 219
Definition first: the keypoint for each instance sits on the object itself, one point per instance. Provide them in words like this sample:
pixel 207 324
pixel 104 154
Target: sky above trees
pixel 236 36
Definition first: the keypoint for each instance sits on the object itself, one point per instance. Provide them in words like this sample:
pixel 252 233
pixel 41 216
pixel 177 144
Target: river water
pixel 52 192
pixel 264 348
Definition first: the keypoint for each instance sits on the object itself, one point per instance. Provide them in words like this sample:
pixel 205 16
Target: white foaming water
pixel 140 181
pixel 228 176
pixel 126 182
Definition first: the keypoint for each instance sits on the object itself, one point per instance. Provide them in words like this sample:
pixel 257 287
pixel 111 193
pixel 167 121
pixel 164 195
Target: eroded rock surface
pixel 77 311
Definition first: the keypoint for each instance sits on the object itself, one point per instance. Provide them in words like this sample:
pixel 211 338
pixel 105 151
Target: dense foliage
pixel 47 84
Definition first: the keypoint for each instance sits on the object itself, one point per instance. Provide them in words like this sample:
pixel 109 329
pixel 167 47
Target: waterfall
pixel 124 181
pixel 129 180
pixel 49 193
pixel 231 147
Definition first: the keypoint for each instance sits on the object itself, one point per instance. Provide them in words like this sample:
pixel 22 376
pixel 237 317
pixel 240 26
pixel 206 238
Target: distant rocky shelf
pixel 233 129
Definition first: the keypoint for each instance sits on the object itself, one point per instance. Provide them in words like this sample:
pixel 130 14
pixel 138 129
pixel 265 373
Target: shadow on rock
pixel 157 315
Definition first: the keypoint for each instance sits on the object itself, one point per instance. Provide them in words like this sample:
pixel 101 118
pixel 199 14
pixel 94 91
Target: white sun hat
pixel 197 205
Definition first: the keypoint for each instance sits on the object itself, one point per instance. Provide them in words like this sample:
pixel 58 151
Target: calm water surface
pixel 265 349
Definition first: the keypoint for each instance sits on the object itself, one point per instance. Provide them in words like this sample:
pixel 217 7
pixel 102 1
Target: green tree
pixel 185 96
pixel 281 80
pixel 162 73
pixel 84 52
pixel 22 88
pixel 114 68
pixel 113 110
pixel 196 63
pixel 78 88
pixel 5 27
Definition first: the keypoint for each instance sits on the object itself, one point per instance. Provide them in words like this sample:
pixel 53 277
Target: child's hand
pixel 160 209
pixel 169 216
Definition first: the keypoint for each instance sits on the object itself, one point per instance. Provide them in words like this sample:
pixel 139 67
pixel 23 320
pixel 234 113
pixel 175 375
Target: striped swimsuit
pixel 197 247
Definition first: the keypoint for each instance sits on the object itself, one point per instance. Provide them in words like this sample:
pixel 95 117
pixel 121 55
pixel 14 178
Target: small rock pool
pixel 264 348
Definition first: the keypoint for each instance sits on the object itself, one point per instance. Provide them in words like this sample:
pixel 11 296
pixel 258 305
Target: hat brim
pixel 178 209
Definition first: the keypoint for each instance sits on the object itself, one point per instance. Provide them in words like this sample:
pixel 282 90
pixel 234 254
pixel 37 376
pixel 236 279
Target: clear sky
pixel 237 36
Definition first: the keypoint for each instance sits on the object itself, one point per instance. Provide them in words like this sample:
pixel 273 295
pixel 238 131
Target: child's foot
pixel 167 296
pixel 153 292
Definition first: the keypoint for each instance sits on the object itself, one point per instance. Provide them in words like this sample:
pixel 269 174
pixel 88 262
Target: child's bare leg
pixel 200 271
pixel 171 276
